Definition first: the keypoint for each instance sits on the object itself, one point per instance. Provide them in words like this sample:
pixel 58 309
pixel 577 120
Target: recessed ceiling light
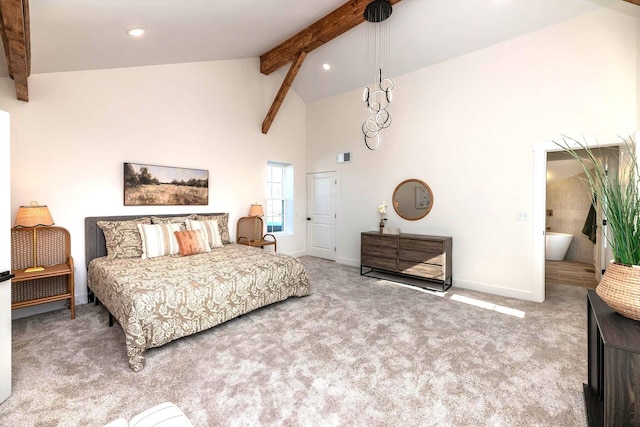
pixel 135 32
pixel 326 66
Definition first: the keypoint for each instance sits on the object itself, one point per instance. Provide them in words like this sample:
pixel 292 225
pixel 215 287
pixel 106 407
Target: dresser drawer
pixel 386 241
pixel 420 245
pixel 429 271
pixel 378 251
pixel 417 256
pixel 379 262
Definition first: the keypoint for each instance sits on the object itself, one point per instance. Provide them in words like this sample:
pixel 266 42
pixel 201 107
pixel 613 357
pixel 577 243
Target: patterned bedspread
pixel 161 299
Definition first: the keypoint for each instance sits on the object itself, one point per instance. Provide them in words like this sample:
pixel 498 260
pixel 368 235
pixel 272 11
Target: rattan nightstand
pixel 249 232
pixel 55 282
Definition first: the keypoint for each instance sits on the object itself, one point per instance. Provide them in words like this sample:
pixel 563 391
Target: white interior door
pixel 539 214
pixel 321 214
pixel 5 258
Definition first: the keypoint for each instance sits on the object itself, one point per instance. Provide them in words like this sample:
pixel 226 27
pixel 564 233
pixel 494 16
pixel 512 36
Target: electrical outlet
pixel 522 216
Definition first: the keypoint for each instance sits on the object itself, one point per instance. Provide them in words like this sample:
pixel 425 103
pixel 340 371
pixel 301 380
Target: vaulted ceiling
pixel 44 36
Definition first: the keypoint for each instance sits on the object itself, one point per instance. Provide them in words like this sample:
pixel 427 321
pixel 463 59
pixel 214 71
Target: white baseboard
pixel 348 261
pixel 493 289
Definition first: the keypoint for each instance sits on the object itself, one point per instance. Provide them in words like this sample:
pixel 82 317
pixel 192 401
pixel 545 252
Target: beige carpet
pixel 359 351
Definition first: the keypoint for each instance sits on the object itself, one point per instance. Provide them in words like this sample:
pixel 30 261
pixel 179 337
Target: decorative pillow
pixel 192 242
pixel 182 220
pixel 159 240
pixel 211 228
pixel 123 238
pixel 223 224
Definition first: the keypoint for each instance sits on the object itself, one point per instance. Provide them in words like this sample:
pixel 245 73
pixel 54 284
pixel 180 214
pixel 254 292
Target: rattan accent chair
pixel 56 281
pixel 249 232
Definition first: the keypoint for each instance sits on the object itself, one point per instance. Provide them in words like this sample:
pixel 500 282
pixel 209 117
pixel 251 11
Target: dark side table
pixel 612 394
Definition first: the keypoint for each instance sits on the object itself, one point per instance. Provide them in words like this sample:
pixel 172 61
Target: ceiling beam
pixel 16 38
pixel 326 29
pixel 636 2
pixel 284 88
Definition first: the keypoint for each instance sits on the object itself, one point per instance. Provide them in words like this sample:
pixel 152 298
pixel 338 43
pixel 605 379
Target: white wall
pixel 466 127
pixel 70 141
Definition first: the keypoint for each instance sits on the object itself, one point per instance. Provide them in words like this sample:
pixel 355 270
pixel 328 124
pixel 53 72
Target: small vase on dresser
pixel 382 211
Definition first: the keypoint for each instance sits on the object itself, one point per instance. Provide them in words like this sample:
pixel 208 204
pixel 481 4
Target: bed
pixel 157 299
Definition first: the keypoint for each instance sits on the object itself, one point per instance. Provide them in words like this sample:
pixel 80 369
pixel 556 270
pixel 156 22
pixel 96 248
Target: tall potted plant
pixel 619 198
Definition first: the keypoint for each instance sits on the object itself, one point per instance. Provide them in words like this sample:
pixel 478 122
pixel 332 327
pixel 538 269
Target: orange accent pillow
pixel 192 242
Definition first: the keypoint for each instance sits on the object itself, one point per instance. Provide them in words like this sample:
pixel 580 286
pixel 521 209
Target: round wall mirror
pixel 412 199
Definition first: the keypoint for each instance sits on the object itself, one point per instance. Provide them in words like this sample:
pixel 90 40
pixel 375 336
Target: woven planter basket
pixel 620 289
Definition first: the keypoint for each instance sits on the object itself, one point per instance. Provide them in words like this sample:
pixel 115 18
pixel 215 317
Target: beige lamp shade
pixel 256 210
pixel 33 216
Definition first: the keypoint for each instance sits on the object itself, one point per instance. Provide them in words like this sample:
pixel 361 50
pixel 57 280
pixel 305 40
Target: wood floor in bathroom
pixel 570 273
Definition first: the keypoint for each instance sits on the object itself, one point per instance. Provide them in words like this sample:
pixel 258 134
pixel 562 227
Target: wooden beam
pixel 636 2
pixel 326 29
pixel 284 88
pixel 16 39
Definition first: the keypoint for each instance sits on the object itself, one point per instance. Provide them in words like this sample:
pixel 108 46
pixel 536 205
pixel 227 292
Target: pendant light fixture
pixel 377 94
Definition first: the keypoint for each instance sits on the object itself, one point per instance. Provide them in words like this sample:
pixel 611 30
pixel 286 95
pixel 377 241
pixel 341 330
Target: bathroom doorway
pixel 565 210
pixel 571 226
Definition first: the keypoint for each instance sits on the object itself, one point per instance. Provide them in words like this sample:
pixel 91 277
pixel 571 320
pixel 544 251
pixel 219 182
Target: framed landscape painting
pixel 164 185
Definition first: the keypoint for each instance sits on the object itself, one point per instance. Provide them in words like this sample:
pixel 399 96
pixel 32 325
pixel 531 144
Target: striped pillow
pixel 158 239
pixel 210 227
pixel 223 224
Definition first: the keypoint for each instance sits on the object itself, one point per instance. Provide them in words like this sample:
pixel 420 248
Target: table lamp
pixel 33 216
pixel 256 211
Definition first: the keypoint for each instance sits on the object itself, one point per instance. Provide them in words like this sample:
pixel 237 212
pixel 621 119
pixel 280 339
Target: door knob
pixel 308 218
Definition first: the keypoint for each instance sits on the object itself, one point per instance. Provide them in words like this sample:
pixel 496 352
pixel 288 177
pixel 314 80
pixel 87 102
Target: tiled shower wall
pixel 569 200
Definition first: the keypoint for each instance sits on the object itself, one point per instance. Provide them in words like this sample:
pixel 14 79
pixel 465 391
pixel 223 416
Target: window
pixel 279 197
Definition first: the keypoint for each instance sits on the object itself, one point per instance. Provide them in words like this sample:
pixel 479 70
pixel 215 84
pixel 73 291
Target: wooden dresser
pixel 410 256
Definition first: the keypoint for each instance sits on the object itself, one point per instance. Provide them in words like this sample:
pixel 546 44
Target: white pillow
pixel 210 227
pixel 165 414
pixel 120 422
pixel 158 239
